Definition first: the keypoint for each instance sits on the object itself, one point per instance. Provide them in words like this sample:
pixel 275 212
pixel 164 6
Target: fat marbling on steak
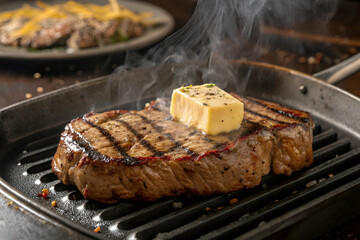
pixel 145 155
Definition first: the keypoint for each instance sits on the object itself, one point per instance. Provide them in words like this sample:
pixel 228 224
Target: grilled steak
pixel 51 35
pixel 74 33
pixel 9 26
pixel 145 155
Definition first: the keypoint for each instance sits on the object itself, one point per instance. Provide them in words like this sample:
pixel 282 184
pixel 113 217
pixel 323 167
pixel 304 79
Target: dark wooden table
pixel 20 80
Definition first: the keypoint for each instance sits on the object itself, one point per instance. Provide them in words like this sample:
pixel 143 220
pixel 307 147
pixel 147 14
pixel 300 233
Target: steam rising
pixel 220 30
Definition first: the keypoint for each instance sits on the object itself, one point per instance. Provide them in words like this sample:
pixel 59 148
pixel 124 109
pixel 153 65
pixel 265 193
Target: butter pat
pixel 207 107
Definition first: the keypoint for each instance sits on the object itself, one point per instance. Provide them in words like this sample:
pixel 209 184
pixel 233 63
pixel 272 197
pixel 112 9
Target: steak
pixel 146 155
pixel 51 35
pixel 71 32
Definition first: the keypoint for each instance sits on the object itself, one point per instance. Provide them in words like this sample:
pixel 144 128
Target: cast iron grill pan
pixel 336 163
pixel 303 206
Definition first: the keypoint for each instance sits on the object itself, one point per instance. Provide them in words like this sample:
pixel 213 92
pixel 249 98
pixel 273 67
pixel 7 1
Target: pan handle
pixel 341 71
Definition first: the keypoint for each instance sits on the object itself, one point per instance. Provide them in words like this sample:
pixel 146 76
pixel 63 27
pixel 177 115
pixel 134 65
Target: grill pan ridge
pixel 280 207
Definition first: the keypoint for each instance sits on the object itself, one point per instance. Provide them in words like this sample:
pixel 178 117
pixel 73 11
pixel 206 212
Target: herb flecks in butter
pixel 185 89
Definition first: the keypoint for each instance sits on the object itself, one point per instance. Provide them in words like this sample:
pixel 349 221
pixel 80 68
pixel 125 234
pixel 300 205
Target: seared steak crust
pixel 145 155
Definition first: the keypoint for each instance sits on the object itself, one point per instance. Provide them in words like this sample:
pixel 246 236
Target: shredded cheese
pixel 26 11
pixel 115 6
pixel 43 11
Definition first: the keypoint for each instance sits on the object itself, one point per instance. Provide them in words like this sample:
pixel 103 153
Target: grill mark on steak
pixel 266 117
pixel 160 130
pixel 141 138
pixel 258 125
pixel 112 140
pixel 287 114
pixel 76 141
pixel 263 111
pixel 179 145
pixel 84 145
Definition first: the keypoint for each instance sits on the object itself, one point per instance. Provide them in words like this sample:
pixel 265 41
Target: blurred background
pixel 22 79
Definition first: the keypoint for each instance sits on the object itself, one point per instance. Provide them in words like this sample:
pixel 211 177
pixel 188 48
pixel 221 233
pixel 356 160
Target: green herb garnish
pixel 185 89
pixel 210 85
pixel 182 89
pixel 120 36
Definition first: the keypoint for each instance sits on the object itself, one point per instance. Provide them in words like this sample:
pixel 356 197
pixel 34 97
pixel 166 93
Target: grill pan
pixel 302 206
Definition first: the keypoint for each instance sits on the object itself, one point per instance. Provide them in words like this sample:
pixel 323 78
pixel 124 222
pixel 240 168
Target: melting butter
pixel 207 107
